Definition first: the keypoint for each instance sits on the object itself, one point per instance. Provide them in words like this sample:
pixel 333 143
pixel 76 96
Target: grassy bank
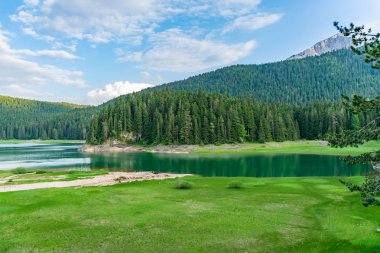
pixel 26 176
pixel 289 147
pixel 266 215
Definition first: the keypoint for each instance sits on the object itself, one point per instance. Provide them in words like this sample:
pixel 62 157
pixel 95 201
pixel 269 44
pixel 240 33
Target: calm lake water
pixel 66 156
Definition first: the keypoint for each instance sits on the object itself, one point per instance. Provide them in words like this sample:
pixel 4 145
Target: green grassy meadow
pixel 288 147
pixel 265 215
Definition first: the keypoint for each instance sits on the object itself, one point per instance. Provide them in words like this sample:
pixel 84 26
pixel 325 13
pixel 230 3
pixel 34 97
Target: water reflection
pixel 263 165
pixel 66 156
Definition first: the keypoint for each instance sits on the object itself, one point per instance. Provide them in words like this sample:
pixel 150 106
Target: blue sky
pixel 89 51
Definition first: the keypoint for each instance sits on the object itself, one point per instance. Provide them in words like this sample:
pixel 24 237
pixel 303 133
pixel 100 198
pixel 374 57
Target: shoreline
pixel 130 148
pixel 316 147
pixel 110 178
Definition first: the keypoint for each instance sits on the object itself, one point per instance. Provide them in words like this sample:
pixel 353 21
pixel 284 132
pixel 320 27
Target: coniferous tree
pixel 368 44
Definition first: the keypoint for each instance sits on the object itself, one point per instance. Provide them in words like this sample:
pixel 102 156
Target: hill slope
pixel 321 78
pixel 30 119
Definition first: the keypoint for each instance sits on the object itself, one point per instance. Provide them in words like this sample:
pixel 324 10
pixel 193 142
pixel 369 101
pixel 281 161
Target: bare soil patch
pixel 101 180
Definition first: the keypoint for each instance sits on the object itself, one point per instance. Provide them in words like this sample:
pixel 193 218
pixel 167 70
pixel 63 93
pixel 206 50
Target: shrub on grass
pixel 183 185
pixel 41 172
pixel 352 187
pixel 19 171
pixel 235 185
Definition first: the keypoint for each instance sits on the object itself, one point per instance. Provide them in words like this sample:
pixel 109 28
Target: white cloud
pixel 100 21
pixel 19 74
pixel 31 2
pixel 236 7
pixel 29 31
pixel 116 89
pixel 174 51
pixel 6 49
pixel 145 74
pixel 71 47
pixel 46 53
pixel 15 90
pixel 128 56
pixel 159 79
pixel 15 70
pixel 253 22
pixel 135 25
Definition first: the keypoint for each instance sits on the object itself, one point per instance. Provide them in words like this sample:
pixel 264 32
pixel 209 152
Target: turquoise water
pixel 67 156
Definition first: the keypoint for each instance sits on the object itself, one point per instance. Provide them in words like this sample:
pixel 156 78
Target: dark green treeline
pixel 29 119
pixel 182 117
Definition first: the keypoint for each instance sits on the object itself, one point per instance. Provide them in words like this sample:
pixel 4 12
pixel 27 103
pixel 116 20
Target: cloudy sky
pixel 89 51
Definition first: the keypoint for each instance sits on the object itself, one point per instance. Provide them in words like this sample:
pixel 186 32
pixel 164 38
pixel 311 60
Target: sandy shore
pixel 101 180
pixel 106 148
pixel 117 148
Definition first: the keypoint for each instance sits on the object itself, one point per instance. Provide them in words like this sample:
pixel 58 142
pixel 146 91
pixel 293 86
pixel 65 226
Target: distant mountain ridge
pixel 31 119
pixel 21 102
pixel 321 78
pixel 336 42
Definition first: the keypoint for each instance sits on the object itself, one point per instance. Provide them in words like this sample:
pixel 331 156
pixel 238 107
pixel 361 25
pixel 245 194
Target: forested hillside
pixel 201 118
pixel 322 78
pixel 29 119
pixel 169 117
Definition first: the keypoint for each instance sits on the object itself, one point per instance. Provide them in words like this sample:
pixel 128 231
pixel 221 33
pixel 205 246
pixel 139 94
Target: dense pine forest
pixel 282 101
pixel 203 118
pixel 29 119
pixel 322 78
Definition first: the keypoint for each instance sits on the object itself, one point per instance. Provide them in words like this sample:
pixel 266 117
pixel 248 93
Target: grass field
pixel 266 215
pixel 289 147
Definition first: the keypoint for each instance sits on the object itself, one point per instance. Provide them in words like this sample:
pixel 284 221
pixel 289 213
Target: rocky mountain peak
pixel 336 42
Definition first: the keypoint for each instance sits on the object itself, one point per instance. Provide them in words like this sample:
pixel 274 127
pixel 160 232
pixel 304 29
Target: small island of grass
pixel 287 147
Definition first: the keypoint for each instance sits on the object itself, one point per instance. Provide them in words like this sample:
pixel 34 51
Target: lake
pixel 66 156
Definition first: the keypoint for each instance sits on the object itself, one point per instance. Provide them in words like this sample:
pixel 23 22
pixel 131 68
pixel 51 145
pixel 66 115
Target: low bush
pixel 41 172
pixel 183 185
pixel 235 185
pixel 352 187
pixel 19 171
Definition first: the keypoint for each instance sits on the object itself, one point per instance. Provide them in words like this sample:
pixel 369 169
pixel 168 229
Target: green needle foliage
pixel 364 42
pixel 367 44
